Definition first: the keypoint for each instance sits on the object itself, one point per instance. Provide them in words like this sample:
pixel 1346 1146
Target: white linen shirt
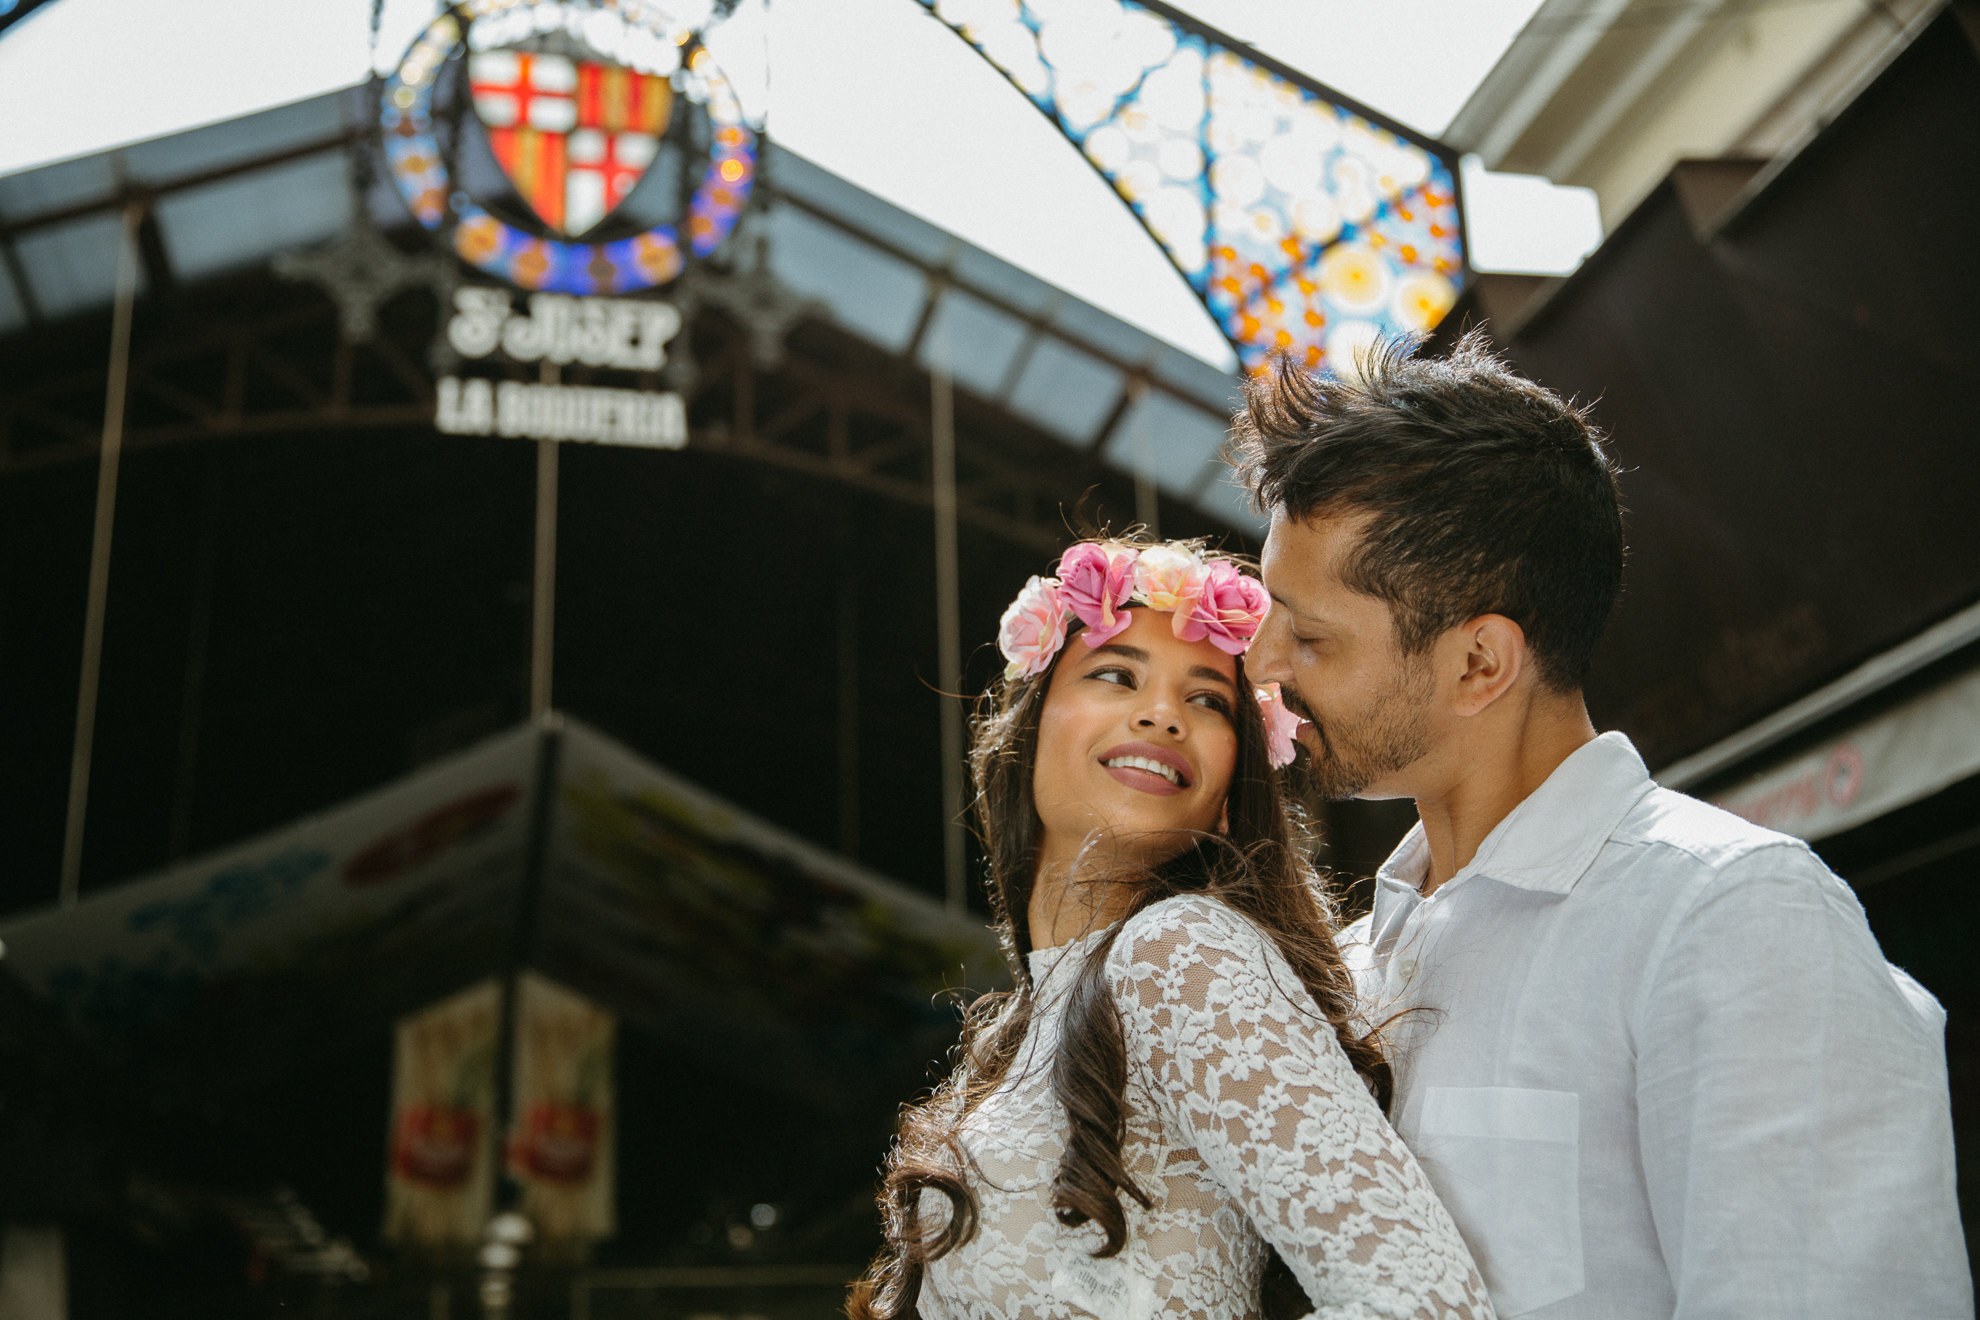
pixel 1660 1067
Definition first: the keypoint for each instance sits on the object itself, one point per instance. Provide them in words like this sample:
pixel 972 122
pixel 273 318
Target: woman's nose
pixel 1160 721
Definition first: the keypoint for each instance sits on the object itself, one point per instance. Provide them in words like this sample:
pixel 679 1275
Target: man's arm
pixel 1795 1128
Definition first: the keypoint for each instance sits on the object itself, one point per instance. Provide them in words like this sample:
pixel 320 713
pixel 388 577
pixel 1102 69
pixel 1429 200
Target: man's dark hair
pixel 1484 492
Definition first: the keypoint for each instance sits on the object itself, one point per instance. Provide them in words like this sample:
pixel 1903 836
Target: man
pixel 1649 1054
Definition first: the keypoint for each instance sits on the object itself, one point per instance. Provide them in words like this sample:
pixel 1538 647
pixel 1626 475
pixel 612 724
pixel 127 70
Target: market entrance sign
pixel 599 332
pixel 561 412
pixel 621 333
pixel 596 113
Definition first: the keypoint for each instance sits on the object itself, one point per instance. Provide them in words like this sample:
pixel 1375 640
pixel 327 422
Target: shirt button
pixel 1407 970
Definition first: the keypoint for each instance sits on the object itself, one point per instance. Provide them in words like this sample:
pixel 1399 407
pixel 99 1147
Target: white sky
pixel 874 90
pixel 1415 60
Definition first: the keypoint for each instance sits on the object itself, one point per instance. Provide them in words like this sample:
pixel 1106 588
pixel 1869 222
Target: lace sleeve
pixel 1241 1066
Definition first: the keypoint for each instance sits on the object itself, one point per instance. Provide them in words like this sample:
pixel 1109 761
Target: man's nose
pixel 1265 661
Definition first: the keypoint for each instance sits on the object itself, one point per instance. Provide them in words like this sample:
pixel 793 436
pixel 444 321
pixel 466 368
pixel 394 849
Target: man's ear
pixel 1492 652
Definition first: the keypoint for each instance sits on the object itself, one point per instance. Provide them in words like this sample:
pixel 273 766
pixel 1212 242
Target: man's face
pixel 1333 652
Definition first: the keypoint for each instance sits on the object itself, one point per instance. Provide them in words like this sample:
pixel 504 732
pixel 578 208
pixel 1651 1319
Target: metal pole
pixel 947 622
pixel 522 943
pixel 111 451
pixel 543 594
pixel 1147 511
pixel 193 690
pixel 848 676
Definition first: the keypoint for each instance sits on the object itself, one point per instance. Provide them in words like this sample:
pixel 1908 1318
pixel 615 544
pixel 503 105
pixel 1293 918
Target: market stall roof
pixel 231 195
pixel 549 846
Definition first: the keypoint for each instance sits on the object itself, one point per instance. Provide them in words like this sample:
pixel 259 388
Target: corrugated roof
pixel 231 195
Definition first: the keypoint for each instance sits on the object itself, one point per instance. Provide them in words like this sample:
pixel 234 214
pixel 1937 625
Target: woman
pixel 1175 1088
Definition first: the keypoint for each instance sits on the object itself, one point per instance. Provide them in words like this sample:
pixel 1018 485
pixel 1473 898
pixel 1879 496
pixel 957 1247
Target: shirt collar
pixel 1399 888
pixel 1547 842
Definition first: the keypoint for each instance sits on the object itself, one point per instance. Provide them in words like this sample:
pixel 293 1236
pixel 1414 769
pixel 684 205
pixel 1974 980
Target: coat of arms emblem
pixel 578 102
pixel 574 136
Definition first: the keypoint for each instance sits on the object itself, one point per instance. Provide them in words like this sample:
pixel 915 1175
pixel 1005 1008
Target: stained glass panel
pixel 1305 226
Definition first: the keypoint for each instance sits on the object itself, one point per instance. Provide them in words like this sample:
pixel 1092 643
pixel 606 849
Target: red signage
pixel 435 1144
pixel 558 1142
pixel 574 136
pixel 392 855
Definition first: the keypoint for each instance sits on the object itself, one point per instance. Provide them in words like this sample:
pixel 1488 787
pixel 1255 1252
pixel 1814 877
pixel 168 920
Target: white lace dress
pixel 1246 1125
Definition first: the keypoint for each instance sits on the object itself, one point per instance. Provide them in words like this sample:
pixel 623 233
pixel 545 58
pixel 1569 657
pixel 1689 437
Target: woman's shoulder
pixel 1199 957
pixel 1182 928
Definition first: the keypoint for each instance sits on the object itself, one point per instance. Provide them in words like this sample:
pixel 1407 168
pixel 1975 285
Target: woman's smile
pixel 1151 769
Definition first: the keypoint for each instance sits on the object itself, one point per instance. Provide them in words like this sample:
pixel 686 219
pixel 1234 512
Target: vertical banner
pixel 440 1168
pixel 561 1139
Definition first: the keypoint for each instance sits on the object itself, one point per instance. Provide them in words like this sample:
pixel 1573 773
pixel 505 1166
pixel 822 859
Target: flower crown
pixel 1210 600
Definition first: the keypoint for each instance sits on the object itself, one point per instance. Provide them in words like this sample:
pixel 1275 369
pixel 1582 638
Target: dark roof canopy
pixel 290 524
pixel 1785 356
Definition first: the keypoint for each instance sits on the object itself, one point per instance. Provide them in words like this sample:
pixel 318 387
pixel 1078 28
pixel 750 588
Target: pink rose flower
pixel 1033 629
pixel 1281 726
pixel 1228 609
pixel 1094 582
pixel 1170 579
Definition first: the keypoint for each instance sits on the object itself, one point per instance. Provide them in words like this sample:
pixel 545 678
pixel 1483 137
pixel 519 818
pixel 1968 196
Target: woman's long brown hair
pixel 1259 868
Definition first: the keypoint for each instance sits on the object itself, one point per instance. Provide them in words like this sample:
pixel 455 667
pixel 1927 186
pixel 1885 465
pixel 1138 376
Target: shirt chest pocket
pixel 1506 1161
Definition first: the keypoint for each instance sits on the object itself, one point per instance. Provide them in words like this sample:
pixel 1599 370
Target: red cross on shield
pixel 574 136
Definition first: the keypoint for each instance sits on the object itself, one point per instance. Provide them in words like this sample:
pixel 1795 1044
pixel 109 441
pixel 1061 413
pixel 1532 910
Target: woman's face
pixel 1137 744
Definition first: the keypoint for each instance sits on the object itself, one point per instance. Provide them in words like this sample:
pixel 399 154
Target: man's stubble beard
pixel 1391 733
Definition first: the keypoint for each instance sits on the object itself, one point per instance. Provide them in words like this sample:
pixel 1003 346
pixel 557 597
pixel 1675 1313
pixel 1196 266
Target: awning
pixel 772 959
pixel 1881 764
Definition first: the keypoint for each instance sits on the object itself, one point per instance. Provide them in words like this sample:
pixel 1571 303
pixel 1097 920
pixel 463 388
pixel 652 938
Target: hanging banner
pixel 439 1173
pixel 1889 761
pixel 561 1138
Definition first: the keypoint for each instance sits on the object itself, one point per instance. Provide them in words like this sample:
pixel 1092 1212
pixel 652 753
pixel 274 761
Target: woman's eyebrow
pixel 1140 656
